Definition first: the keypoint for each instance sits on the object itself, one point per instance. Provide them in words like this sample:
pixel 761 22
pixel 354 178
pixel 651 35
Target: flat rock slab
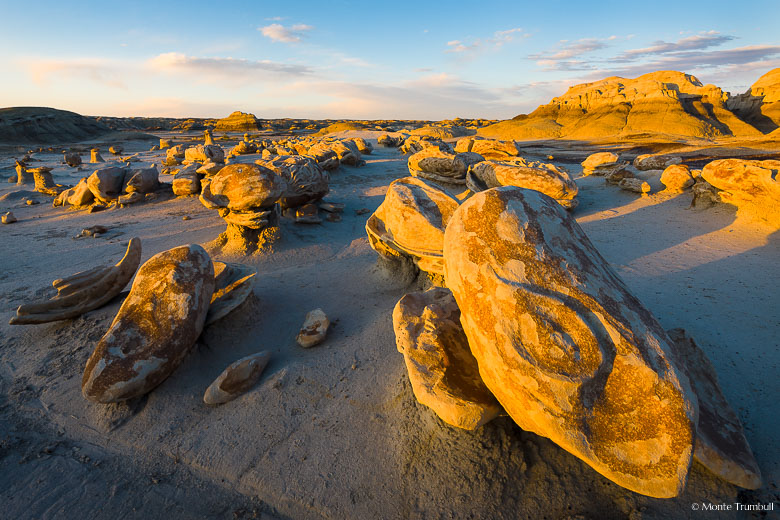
pixel 236 379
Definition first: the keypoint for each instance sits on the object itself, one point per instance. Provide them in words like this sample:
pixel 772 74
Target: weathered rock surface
pixel 143 180
pixel 677 178
pixel 488 148
pixel 155 327
pixel 567 350
pixel 760 105
pixel 95 156
pixel 655 162
pixel 545 178
pixel 410 223
pixel 440 165
pixel 8 218
pixel 306 181
pixel 442 370
pixel 72 159
pixel 720 442
pixel 236 379
pixel 232 286
pixel 238 122
pixel 599 163
pixel 186 182
pixel 205 153
pixel 752 186
pixel 634 184
pixel 46 125
pixel 106 183
pixel 84 291
pixel 314 329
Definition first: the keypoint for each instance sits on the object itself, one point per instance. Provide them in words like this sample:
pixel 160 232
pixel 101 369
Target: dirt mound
pixel 46 125
pixel 664 102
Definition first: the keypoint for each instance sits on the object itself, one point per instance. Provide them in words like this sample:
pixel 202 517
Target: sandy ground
pixel 334 431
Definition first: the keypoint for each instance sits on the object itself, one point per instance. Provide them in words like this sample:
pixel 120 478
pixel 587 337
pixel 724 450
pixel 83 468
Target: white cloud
pixel 99 71
pixel 563 55
pixel 231 68
pixel 280 33
pixel 494 42
pixel 691 43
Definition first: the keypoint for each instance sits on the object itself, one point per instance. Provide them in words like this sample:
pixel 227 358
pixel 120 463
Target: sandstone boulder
pixel 439 165
pixel 325 157
pixel 186 182
pixel 306 181
pixel 442 370
pixel 410 223
pixel 677 178
pixel 8 218
pixel 314 329
pixel 106 183
pixel 488 148
pixel 655 162
pixel 600 163
pixel 95 156
pixel 236 379
pixel 205 153
pixel 232 286
pixel 143 180
pixel 155 328
pixel 567 350
pixel 634 184
pixel 72 159
pixel 752 186
pixel 545 178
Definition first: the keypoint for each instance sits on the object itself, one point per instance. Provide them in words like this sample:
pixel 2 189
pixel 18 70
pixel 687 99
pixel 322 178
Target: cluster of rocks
pixel 529 317
pixel 110 185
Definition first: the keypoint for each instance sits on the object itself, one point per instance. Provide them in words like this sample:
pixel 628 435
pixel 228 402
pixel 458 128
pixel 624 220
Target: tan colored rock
pixel 655 162
pixel 246 196
pixel 44 182
pixel 243 148
pixel 614 177
pixel 493 149
pixel 155 328
pixel 545 178
pixel 23 176
pixel 306 181
pixel 116 149
pixel 720 441
pixel 442 370
pixel 142 180
pixel 363 146
pixel 72 159
pixel 205 153
pixel 131 198
pixel 752 186
pixel 106 183
pixel 704 194
pixel 208 137
pixel 601 163
pixel 164 143
pixel 84 291
pixel 236 379
pixel 389 141
pixel 438 165
pixel 567 350
pixel 238 122
pixel 232 286
pixel 314 329
pixel 677 178
pixel 210 168
pixel 325 157
pixel 410 223
pixel 347 152
pixel 81 195
pixel 635 185
pixel 8 218
pixel 95 156
pixel 186 182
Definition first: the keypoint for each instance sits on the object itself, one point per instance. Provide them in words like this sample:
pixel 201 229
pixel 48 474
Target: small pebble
pixel 186 217
pixel 8 218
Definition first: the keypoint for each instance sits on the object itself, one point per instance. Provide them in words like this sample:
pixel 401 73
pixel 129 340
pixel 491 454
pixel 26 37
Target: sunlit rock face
pixel 238 122
pixel 544 178
pixel 306 180
pixel 663 102
pixel 566 349
pixel 246 197
pixel 677 178
pixel 410 223
pixel 760 105
pixel 488 148
pixel 442 165
pixel 752 186
pixel 441 368
pixel 155 328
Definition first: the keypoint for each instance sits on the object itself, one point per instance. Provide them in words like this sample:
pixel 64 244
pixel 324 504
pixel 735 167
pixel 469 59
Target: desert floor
pixel 334 431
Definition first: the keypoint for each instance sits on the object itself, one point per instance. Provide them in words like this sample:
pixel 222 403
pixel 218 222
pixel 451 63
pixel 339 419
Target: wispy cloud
pixel 42 71
pixel 691 43
pixel 280 33
pixel 494 42
pixel 230 67
pixel 564 55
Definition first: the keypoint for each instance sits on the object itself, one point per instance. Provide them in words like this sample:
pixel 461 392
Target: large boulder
pixel 752 186
pixel 545 178
pixel 410 223
pixel 488 148
pixel 106 183
pixel 142 180
pixel 306 181
pixel 155 328
pixel 600 163
pixel 204 153
pixel 677 178
pixel 441 165
pixel 655 162
pixel 441 368
pixel 564 346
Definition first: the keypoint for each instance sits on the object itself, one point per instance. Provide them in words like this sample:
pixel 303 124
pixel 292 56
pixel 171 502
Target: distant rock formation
pixel 238 122
pixel 46 125
pixel 664 102
pixel 760 105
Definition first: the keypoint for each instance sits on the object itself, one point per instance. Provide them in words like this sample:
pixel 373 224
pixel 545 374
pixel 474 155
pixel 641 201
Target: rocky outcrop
pixel 566 349
pixel 662 103
pixel 46 125
pixel 752 186
pixel 760 105
pixel 442 370
pixel 306 180
pixel 238 122
pixel 155 327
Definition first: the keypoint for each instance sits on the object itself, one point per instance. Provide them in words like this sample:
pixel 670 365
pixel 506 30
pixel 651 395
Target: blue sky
pixel 368 59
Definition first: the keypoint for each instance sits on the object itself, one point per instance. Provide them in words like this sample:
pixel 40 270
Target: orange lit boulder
pixel 600 163
pixel 307 181
pixel 488 148
pixel 677 178
pixel 752 186
pixel 410 223
pixel 564 346
pixel 442 370
pixel 655 162
pixel 155 327
pixel 440 165
pixel 545 178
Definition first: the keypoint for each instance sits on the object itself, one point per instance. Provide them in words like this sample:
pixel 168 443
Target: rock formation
pixel 84 291
pixel 46 125
pixel 410 223
pixel 232 286
pixel 488 148
pixel 106 183
pixel 655 162
pixel 246 197
pixel 236 379
pixel 441 165
pixel 752 186
pixel 442 370
pixel 760 105
pixel 567 350
pixel 238 122
pixel 155 327
pixel 314 329
pixel 677 178
pixel 306 181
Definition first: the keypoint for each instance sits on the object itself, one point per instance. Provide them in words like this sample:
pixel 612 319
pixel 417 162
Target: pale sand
pixel 334 431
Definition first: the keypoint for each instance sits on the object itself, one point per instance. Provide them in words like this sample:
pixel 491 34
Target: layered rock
pixel 567 350
pixel 106 184
pixel 488 148
pixel 238 122
pixel 155 328
pixel 760 105
pixel 307 182
pixel 410 223
pixel 752 186
pixel 443 372
pixel 438 165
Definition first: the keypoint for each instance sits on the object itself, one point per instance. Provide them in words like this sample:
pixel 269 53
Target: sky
pixel 364 60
